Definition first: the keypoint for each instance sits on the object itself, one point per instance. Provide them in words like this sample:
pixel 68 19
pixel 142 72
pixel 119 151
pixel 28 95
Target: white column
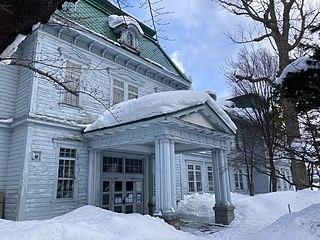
pixel 158 176
pixel 223 178
pixel 173 175
pixel 216 177
pixel 165 176
pixel 91 178
pixel 227 176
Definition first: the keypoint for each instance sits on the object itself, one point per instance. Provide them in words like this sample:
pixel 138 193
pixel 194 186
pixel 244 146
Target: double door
pixel 122 195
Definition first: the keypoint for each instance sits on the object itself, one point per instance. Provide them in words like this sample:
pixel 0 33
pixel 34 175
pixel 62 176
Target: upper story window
pixel 130 39
pixel 72 82
pixel 123 91
pixel 129 30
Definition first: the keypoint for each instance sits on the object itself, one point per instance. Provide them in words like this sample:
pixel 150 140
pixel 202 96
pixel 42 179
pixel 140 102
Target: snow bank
pixel 156 104
pixel 92 223
pixel 252 214
pixel 252 217
pixel 299 226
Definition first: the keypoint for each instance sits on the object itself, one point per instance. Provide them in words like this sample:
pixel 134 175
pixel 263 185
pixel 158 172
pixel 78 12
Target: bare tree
pixel 246 155
pixel 283 24
pixel 258 106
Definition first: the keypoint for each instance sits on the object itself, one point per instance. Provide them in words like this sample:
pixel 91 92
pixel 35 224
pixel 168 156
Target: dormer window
pixel 129 30
pixel 130 39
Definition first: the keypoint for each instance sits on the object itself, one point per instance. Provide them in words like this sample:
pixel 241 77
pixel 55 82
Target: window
pixel 238 180
pixel 118 91
pixel 123 91
pixel 130 39
pixel 112 164
pixel 72 82
pixel 132 92
pixel 194 178
pixel 210 179
pixel 122 165
pixel 66 172
pixel 133 165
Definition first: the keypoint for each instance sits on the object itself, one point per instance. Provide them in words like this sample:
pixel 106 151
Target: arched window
pixel 130 39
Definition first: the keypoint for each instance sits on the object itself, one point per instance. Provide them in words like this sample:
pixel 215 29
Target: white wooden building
pixel 49 163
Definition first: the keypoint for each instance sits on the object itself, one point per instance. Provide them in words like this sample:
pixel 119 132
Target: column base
pixel 223 214
pixel 173 219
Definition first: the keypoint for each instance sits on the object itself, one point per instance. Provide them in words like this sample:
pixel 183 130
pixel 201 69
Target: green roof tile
pixel 93 14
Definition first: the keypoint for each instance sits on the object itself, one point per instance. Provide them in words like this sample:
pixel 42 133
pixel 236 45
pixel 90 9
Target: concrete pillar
pixel 224 210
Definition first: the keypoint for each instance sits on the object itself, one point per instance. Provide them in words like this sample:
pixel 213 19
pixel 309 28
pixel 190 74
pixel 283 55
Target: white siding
pixel 47 96
pixel 40 201
pixel 4 151
pixel 8 79
pixel 14 171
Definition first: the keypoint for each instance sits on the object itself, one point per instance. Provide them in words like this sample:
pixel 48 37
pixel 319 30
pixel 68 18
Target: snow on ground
pixel 263 217
pixel 253 214
pixel 92 223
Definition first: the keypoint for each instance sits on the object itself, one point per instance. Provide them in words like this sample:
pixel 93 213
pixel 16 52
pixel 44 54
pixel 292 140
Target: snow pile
pixel 92 223
pixel 253 216
pixel 156 104
pixel 301 225
pixel 197 205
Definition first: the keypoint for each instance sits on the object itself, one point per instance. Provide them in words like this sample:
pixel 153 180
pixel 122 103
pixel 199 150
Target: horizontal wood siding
pixel 14 171
pixel 4 151
pixel 8 80
pixel 261 183
pixel 98 73
pixel 41 202
pixel 196 159
pixel 25 78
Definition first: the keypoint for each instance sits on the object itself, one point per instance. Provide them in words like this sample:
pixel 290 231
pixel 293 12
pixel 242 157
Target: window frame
pixel 210 182
pixel 58 144
pixel 127 90
pixel 195 182
pixel 238 180
pixel 68 98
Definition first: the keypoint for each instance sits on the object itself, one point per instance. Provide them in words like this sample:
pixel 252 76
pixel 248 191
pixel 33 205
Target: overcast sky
pixel 198 43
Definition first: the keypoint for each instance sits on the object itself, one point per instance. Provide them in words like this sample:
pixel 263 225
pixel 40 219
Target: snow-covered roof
pixel 115 20
pixel 157 104
pixel 298 65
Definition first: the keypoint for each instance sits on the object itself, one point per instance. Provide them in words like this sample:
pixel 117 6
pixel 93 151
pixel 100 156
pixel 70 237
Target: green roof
pixel 93 14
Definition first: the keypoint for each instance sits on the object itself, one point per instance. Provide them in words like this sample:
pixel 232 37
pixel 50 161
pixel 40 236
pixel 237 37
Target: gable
pixel 197 119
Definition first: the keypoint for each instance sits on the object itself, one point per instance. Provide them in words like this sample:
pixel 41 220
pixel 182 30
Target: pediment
pixel 197 119
pixel 204 116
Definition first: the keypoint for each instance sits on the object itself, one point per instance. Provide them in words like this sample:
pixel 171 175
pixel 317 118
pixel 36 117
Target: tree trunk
pixel 298 168
pixel 251 189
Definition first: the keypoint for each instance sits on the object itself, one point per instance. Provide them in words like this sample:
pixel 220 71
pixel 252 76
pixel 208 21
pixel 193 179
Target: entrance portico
pixel 158 139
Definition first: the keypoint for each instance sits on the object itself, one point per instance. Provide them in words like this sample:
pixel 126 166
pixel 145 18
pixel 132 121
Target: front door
pixel 122 184
pixel 123 196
